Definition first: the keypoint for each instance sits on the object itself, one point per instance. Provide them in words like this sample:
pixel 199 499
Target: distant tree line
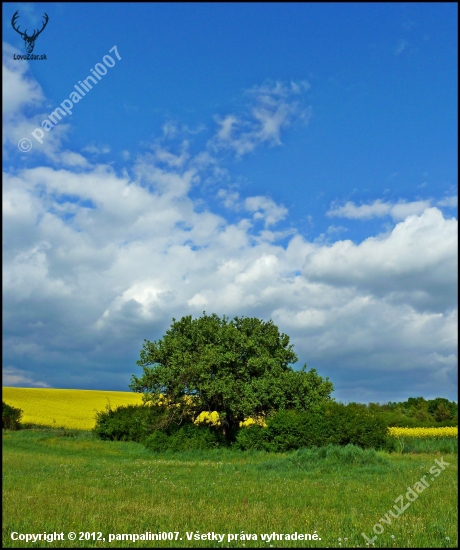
pixel 416 411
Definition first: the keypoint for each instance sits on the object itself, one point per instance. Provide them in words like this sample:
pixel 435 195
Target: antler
pixel 13 21
pixel 37 32
pixel 24 34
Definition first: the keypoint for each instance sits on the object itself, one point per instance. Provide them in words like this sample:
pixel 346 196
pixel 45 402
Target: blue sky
pixel 294 162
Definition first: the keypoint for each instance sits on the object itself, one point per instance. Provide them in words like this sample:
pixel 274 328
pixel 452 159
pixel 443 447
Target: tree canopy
pixel 239 368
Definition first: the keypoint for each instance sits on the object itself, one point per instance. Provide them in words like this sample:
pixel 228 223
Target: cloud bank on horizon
pixel 103 246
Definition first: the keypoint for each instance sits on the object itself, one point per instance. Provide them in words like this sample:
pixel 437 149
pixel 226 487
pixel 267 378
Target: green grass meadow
pixel 61 481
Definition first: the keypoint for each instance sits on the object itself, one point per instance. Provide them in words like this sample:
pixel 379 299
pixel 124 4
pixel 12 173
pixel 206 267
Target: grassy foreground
pixel 56 483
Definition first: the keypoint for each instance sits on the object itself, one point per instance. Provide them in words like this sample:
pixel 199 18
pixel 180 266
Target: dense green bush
pixel 128 422
pixel 332 424
pixel 149 425
pixel 187 437
pixel 11 417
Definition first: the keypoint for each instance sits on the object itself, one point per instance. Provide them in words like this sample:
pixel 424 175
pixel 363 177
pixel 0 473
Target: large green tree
pixel 239 368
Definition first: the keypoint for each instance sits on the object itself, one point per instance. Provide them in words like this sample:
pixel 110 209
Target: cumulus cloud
pixel 21 94
pixel 416 262
pixel 449 202
pixel 14 377
pixel 93 150
pixel 96 261
pixel 265 209
pixel 230 199
pixel 19 89
pixel 378 209
pixel 164 156
pixel 262 207
pixel 130 257
pixel 272 108
pixel 172 129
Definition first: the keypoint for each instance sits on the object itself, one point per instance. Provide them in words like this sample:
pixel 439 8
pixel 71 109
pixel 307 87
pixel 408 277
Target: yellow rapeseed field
pixel 74 409
pixel 424 432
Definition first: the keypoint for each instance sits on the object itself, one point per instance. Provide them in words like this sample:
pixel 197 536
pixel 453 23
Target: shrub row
pixel 333 424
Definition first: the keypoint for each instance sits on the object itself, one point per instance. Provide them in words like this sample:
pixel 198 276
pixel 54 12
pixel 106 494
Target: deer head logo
pixel 29 41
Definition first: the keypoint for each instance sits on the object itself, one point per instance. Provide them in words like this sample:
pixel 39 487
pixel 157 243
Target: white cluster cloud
pixel 263 207
pixel 378 209
pixel 22 90
pixel 94 150
pixel 271 109
pixel 13 377
pixel 449 202
pixel 20 93
pixel 416 263
pixel 96 261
